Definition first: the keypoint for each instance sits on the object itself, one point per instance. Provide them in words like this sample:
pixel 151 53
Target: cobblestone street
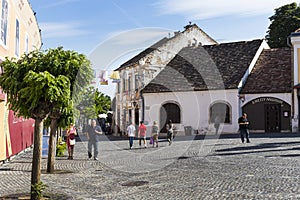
pixel 210 167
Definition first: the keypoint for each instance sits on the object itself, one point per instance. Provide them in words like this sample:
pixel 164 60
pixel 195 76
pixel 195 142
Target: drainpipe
pixel 288 42
pixel 143 106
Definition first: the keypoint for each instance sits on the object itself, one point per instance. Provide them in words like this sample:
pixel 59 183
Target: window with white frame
pixel 17 41
pixel 26 43
pixel 4 22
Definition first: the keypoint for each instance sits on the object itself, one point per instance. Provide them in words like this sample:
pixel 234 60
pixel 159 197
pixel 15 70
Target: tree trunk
pixel 37 156
pixel 52 146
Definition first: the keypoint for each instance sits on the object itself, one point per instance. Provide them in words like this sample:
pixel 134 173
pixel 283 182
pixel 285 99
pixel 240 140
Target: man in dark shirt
pixel 244 128
pixel 92 133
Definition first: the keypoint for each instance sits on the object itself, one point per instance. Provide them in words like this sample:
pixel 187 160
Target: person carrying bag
pixel 71 134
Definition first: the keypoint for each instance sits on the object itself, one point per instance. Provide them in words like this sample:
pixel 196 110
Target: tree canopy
pixel 30 92
pixel 41 84
pixel 285 21
pixel 94 103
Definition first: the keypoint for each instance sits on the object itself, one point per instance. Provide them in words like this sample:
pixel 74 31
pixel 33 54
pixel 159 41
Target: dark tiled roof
pixel 208 67
pixel 144 53
pixel 271 74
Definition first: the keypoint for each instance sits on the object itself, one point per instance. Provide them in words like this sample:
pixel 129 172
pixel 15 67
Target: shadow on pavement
pixel 201 137
pixel 260 148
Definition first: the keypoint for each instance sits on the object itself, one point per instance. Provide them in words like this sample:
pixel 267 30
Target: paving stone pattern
pixel 208 168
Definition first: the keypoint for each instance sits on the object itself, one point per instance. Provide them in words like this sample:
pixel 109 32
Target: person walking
pixel 244 128
pixel 217 124
pixel 92 133
pixel 154 134
pixel 131 134
pixel 142 134
pixel 170 130
pixel 71 140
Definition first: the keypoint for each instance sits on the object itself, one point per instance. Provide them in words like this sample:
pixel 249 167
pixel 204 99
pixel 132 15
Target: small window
pixel 4 22
pixel 129 83
pixel 124 84
pixel 17 45
pixel 136 81
pixel 118 87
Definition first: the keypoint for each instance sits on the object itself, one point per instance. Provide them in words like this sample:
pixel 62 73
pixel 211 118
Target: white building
pixel 179 80
pixel 141 69
pixel 223 80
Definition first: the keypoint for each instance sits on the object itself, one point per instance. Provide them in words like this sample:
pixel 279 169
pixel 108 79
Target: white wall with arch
pixel 195 108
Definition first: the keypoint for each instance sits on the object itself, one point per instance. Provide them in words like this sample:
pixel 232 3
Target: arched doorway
pixel 169 111
pixel 268 114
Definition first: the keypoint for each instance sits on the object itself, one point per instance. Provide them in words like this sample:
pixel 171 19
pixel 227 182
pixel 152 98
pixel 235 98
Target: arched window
pixel 169 111
pixel 222 111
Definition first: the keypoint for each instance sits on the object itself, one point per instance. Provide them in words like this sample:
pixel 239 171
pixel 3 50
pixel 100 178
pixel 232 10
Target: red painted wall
pixel 21 132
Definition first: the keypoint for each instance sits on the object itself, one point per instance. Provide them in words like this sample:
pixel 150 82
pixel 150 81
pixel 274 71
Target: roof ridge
pixel 234 42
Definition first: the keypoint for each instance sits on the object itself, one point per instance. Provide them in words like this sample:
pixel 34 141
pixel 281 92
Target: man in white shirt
pixel 131 134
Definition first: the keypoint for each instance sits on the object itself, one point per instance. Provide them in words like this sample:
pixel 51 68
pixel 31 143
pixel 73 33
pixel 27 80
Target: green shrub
pixel 38 189
pixel 61 147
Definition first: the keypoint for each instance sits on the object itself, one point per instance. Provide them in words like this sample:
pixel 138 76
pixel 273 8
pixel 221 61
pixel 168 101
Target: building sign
pixel 266 99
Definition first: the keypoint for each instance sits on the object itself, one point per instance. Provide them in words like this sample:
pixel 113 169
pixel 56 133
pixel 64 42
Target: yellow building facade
pixel 19 34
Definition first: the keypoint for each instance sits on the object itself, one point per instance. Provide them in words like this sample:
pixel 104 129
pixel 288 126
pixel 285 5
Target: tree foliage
pixel 41 84
pixel 94 103
pixel 77 68
pixel 32 92
pixel 102 102
pixel 285 21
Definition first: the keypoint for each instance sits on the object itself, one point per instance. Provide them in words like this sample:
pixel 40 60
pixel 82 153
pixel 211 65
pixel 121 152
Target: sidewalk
pixel 204 168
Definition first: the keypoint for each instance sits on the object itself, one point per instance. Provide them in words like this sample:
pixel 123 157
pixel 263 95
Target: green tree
pixel 32 92
pixel 42 84
pixel 102 102
pixel 94 103
pixel 77 68
pixel 285 21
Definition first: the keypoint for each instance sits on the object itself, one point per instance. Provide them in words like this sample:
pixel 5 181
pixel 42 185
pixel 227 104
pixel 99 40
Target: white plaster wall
pixel 199 36
pixel 194 108
pixel 295 40
pixel 295 117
